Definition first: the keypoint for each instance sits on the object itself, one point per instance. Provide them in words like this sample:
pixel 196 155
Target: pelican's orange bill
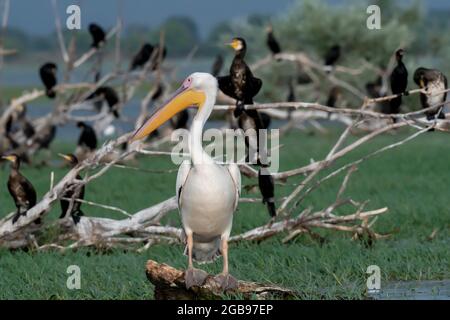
pixel 183 98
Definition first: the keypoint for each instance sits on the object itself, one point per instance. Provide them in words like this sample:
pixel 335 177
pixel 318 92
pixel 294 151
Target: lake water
pixel 414 290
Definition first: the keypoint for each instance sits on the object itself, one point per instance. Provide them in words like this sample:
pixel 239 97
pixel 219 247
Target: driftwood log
pixel 169 285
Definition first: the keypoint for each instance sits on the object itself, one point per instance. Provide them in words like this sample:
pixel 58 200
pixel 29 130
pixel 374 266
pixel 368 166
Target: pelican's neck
pixel 198 155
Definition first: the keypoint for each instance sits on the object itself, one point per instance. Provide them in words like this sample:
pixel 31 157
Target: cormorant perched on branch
pixel 47 72
pixel 97 34
pixel 267 188
pixel 375 90
pixel 26 126
pixel 240 84
pixel 272 43
pixel 434 81
pixel 333 96
pixel 109 95
pixel 331 57
pixel 156 57
pixel 87 138
pixel 290 97
pixel 243 86
pixel 399 82
pixel 291 93
pixel 72 192
pixel 158 93
pixel 18 121
pixel 217 65
pixel 46 136
pixel 141 58
pixel 21 190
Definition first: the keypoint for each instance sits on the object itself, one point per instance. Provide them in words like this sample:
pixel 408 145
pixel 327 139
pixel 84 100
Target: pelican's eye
pixel 187 83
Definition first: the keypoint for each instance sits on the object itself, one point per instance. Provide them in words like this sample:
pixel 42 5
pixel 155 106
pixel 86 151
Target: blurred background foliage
pixel 308 26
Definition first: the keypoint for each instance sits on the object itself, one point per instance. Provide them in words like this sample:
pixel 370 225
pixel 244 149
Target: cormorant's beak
pixel 182 99
pixel 421 83
pixel 234 44
pixel 65 156
pixel 9 158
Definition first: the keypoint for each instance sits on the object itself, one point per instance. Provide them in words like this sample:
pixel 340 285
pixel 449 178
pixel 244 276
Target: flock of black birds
pixel 240 84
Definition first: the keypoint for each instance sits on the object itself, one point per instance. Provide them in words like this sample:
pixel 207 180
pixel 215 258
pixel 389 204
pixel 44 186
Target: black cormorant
pixel 240 84
pixel 180 120
pixel 291 93
pixel 27 128
pixel 217 65
pixel 47 73
pixel 97 34
pixel 333 96
pixel 109 95
pixel 158 57
pixel 88 138
pixel 434 82
pixel 375 90
pixel 17 121
pixel 290 97
pixel 72 192
pixel 399 82
pixel 332 56
pixel 267 188
pixel 21 190
pixel 141 58
pixel 272 43
pixel 158 92
pixel 46 136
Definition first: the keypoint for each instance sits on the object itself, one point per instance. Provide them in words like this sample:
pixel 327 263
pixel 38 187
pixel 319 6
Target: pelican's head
pixel 198 90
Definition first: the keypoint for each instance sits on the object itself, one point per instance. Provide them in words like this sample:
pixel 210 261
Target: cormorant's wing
pixel 30 192
pixel 445 86
pixel 226 86
pixel 254 85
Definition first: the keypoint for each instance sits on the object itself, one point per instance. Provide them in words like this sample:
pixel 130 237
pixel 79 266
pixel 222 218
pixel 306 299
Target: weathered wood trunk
pixel 169 285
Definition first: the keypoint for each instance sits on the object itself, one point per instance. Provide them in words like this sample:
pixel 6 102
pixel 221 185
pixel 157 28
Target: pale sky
pixel 35 16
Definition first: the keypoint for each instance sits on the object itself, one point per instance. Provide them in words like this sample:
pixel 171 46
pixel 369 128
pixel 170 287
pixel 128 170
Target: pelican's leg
pixel 192 276
pixel 190 246
pixel 225 279
pixel 224 248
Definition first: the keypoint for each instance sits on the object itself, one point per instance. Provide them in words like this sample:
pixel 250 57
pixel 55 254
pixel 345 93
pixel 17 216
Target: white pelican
pixel 207 192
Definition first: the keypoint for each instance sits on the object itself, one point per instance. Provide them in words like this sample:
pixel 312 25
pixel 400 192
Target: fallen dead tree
pixel 142 229
pixel 169 284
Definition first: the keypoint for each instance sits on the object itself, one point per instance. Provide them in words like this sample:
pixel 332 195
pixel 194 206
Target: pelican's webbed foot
pixel 226 281
pixel 194 277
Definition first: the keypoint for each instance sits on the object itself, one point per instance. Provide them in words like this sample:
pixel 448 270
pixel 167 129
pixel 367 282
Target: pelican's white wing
pixel 183 172
pixel 233 169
